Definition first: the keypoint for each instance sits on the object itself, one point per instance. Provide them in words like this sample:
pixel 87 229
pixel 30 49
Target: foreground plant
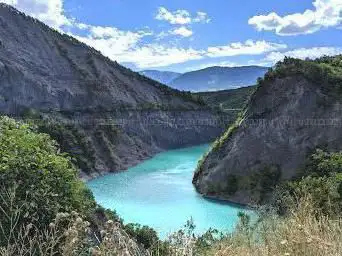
pixel 305 231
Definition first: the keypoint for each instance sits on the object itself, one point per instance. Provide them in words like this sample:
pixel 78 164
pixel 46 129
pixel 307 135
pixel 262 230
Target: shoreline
pixel 224 200
pixel 86 177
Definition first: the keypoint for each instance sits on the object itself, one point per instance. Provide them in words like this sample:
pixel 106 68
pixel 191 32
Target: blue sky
pixel 183 35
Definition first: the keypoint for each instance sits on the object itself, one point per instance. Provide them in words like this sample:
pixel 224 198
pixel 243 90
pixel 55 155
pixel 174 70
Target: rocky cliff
pixel 106 116
pixel 295 109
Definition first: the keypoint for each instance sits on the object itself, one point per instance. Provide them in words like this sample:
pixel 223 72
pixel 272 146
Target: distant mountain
pixel 218 78
pixel 164 77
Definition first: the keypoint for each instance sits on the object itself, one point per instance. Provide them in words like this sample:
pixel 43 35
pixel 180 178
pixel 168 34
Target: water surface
pixel 159 193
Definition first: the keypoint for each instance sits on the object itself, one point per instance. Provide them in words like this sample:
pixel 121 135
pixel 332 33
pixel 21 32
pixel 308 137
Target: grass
pixel 303 232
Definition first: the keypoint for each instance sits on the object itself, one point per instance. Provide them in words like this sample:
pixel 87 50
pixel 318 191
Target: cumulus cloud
pixel 48 11
pixel 249 47
pixel 303 53
pixel 182 31
pixel 130 46
pixel 181 17
pixel 202 17
pixel 125 47
pixel 325 13
pixel 154 55
pixel 213 64
pixel 111 41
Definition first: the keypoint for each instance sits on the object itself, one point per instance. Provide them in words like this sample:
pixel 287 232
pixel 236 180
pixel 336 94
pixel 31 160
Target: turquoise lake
pixel 159 193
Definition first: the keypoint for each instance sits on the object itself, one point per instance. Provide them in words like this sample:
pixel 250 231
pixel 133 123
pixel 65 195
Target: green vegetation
pixel 305 218
pixel 45 181
pixel 227 134
pixel 46 210
pixel 227 100
pixel 321 178
pixel 325 71
pixel 143 234
pixel 72 139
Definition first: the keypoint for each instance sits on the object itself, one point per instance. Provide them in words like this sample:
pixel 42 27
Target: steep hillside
pixel 218 78
pixel 294 110
pixel 228 99
pixel 106 116
pixel 164 77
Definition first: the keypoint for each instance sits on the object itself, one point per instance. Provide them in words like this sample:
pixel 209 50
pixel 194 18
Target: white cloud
pixel 303 53
pixel 11 2
pixel 213 64
pixel 326 13
pixel 202 17
pixel 181 17
pixel 125 47
pixel 154 55
pixel 111 41
pixel 249 47
pixel 182 31
pixel 130 46
pixel 48 11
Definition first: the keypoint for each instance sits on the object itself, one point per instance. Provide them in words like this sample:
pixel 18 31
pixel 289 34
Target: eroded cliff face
pixel 285 120
pixel 106 116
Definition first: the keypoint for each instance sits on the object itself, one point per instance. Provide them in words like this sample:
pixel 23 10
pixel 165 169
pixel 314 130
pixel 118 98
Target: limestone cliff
pixel 295 109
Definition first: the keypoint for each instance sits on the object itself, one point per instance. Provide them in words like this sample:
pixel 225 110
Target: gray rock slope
pixel 287 118
pixel 106 116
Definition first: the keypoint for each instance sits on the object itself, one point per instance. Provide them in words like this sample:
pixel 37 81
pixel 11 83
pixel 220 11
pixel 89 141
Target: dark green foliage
pixel 143 234
pixel 46 181
pixel 323 190
pixel 108 214
pixel 325 71
pixel 228 99
pixel 72 139
pixel 322 163
pixel 321 178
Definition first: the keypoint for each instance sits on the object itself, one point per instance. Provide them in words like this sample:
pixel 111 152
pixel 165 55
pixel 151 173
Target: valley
pixel 109 147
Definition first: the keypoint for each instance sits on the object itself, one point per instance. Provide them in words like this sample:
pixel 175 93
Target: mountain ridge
pixel 105 116
pixel 294 110
pixel 164 77
pixel 219 78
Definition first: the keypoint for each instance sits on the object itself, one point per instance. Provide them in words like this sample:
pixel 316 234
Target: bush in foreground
pixel 44 179
pixel 305 231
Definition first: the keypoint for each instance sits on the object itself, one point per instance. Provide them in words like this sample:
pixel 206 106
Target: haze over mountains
pixel 209 79
pixel 164 77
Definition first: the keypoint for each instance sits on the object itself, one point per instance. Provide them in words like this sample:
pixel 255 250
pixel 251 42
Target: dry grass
pixel 303 232
pixel 67 235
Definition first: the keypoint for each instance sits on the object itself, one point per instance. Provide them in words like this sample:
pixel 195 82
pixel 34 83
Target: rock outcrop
pixel 295 109
pixel 106 116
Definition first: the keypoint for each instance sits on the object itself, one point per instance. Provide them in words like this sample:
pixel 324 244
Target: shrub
pixel 45 180
pixel 143 234
pixel 322 178
pixel 323 190
pixel 305 231
pixel 322 163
